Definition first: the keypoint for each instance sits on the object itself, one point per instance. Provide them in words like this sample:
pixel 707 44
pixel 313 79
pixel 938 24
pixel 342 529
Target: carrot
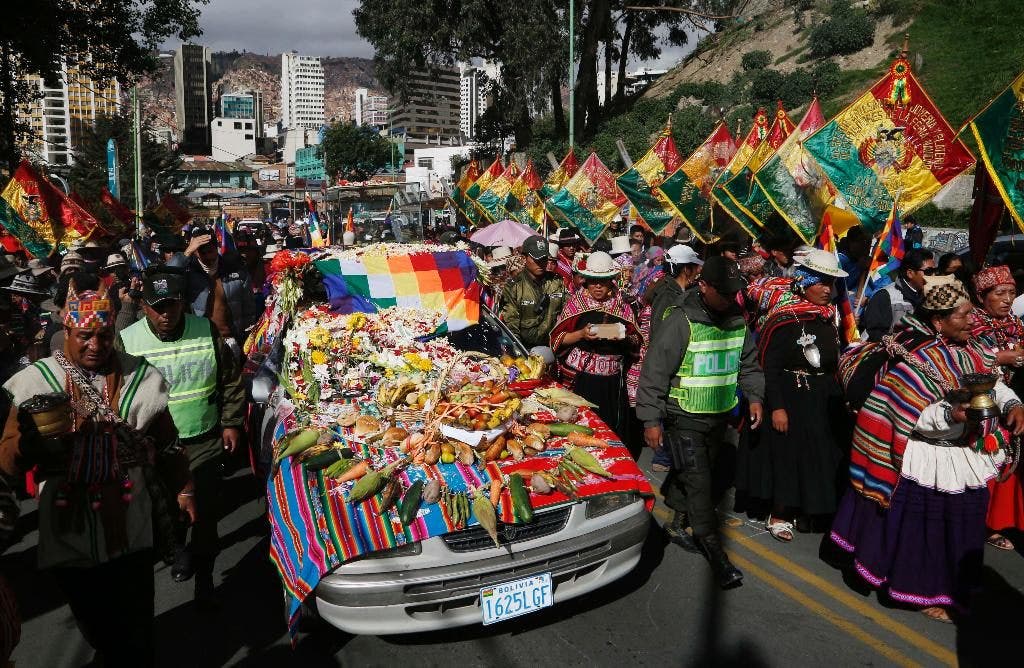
pixel 495 491
pixel 357 471
pixel 576 438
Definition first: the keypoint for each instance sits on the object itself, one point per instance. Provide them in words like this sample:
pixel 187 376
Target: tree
pixel 88 175
pixel 120 38
pixel 354 152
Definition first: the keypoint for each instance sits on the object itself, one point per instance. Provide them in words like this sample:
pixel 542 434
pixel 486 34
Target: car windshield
pixel 489 336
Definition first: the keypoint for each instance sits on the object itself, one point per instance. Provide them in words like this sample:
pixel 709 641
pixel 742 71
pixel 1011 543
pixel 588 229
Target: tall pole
pixel 572 72
pixel 137 151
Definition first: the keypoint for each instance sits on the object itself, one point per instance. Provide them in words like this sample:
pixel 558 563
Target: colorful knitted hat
pixel 942 293
pixel 990 277
pixel 88 310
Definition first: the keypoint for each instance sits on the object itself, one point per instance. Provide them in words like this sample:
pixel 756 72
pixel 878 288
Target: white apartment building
pixel 233 138
pixel 370 109
pixel 67 109
pixel 302 91
pixel 472 98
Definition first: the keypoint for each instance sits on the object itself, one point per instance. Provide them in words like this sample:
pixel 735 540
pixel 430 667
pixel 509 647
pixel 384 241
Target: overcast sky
pixel 313 27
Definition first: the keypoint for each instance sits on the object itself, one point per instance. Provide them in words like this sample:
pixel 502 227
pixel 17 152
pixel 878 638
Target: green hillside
pixel 968 51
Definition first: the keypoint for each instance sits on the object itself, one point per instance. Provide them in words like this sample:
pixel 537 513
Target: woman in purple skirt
pixel 914 520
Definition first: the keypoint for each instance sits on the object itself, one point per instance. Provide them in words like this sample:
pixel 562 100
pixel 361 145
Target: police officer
pixel 207 404
pixel 697 356
pixel 533 300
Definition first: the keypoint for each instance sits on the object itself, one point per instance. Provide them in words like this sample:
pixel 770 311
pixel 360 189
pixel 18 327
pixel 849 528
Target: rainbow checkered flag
pixel 225 242
pixel 445 281
pixel 848 331
pixel 885 261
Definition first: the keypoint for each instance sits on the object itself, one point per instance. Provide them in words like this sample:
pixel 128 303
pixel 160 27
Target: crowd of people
pixel 697 349
pixel 902 446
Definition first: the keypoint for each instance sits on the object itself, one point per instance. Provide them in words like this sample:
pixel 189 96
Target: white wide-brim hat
pixel 599 265
pixel 620 245
pixel 820 262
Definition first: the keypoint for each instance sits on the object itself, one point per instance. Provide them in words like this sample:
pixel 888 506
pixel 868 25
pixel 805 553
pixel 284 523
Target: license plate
pixel 516 598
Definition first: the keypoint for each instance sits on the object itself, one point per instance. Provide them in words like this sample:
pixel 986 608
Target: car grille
pixel 476 538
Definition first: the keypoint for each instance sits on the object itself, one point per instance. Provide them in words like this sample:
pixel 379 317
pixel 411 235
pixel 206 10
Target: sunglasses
pixel 930 271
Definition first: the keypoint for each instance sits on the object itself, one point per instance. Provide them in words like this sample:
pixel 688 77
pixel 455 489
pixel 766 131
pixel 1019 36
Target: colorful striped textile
pixel 368 281
pixel 886 420
pixel 313 529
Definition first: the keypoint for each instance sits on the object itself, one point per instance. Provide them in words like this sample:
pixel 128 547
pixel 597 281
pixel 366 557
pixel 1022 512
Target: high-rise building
pixel 248 104
pixel 192 97
pixel 429 111
pixel 470 107
pixel 370 109
pixel 302 91
pixel 66 109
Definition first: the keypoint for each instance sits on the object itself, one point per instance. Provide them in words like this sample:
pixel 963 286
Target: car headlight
pixel 606 503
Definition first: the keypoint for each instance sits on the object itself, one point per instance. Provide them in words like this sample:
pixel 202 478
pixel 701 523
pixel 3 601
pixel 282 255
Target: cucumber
pixel 564 428
pixel 323 460
pixel 411 503
pixel 521 505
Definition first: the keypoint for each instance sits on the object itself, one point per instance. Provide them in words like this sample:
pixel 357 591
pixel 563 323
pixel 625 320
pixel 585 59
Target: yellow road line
pixel 870 611
pixel 887 622
pixel 846 626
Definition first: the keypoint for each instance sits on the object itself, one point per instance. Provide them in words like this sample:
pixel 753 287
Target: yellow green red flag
pixel 890 145
pixel 558 178
pixel 484 180
pixel 757 135
pixel 999 131
pixel 589 200
pixel 494 201
pixel 460 202
pixel 687 191
pixel 639 183
pixel 526 190
pixel 38 215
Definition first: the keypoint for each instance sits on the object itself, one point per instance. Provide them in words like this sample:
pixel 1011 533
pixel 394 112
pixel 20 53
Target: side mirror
pixel 545 353
pixel 262 386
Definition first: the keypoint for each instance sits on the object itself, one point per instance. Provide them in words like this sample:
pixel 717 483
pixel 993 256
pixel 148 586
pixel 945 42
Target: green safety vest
pixel 189 365
pixel 710 369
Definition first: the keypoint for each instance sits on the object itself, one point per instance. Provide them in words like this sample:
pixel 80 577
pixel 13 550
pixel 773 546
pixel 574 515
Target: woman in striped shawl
pixel 914 520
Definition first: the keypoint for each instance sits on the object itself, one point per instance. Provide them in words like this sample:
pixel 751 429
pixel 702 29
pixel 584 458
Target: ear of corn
pixel 587 461
pixel 299 442
pixel 485 515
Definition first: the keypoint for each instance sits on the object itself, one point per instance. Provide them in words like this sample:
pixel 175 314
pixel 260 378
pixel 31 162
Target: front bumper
pixel 584 556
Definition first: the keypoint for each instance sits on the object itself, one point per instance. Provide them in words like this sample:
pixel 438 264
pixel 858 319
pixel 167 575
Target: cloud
pixel 312 27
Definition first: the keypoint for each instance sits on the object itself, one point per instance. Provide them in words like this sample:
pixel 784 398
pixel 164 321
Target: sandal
pixel 937 614
pixel 999 542
pixel 779 529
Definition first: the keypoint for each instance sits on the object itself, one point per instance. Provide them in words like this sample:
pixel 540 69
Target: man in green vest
pixel 207 403
pixel 698 355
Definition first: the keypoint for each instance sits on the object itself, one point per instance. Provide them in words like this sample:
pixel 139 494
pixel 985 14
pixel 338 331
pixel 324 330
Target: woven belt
pixel 593 363
pixel 940 442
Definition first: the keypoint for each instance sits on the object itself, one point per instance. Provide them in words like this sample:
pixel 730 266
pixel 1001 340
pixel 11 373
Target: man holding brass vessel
pixel 93 421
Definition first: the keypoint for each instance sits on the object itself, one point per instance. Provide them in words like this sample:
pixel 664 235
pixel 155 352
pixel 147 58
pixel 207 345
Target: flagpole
pixel 137 150
pixel 572 72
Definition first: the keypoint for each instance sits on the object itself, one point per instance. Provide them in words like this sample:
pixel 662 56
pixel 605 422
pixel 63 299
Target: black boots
pixel 728 576
pixel 680 533
pixel 182 569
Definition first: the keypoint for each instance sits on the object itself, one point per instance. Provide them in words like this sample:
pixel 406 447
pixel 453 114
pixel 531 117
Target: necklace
pixel 810 349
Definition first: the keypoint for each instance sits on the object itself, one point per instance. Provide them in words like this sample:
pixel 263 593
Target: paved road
pixel 793 609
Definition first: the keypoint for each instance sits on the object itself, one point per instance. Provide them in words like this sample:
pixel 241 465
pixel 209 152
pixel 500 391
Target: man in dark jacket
pixel 888 306
pixel 533 300
pixel 698 355
pixel 219 288
pixel 913 235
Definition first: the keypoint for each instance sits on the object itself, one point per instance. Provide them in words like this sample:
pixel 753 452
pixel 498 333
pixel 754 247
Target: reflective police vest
pixel 190 367
pixel 710 369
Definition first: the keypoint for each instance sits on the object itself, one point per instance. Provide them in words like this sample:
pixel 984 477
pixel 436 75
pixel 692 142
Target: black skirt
pixel 801 470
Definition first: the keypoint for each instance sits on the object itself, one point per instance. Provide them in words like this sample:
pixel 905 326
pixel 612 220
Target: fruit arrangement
pixel 486 405
pixel 523 368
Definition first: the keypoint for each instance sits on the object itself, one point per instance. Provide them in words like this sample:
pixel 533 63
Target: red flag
pixel 985 216
pixel 172 214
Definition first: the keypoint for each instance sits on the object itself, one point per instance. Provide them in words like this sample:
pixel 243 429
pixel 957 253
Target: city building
pixel 309 165
pixel 290 140
pixel 66 108
pixel 192 98
pixel 603 97
pixel 302 91
pixel 248 104
pixel 233 138
pixel 431 168
pixel 473 97
pixel 428 112
pixel 370 109
pixel 205 175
